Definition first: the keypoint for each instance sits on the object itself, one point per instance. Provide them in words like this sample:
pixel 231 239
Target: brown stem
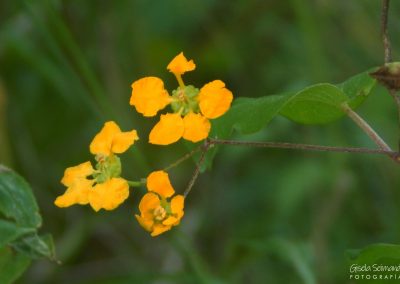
pixel 308 147
pixel 183 158
pixel 385 36
pixel 196 172
pixel 388 53
pixel 277 145
pixel 396 99
pixel 367 129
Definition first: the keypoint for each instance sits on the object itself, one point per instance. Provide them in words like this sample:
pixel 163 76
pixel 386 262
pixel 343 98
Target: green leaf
pixel 317 104
pixel 19 239
pixel 35 246
pixel 358 88
pixel 10 232
pixel 17 201
pixel 321 103
pixel 248 115
pixel 372 259
pixel 12 265
pixel 375 254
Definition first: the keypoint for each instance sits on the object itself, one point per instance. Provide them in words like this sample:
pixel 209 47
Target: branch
pixel 367 129
pixel 277 145
pixel 183 158
pixel 307 147
pixel 385 36
pixel 196 172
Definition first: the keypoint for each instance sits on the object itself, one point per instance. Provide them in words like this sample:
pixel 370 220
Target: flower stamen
pixel 159 213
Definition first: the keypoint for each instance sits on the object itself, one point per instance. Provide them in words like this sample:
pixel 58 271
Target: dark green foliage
pixel 19 239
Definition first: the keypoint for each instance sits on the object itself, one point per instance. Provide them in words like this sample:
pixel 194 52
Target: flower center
pixel 185 100
pixel 181 95
pixel 160 213
pixel 107 167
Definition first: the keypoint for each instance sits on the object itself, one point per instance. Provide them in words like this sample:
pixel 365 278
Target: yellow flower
pixel 191 108
pixel 105 189
pixel 111 140
pixel 180 65
pixel 149 96
pixel 157 214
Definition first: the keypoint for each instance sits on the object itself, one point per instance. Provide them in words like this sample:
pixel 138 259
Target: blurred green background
pixel 260 215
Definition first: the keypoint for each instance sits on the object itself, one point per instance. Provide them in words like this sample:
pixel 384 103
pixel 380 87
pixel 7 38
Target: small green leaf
pixel 12 265
pixel 17 201
pixel 248 115
pixel 35 246
pixel 317 104
pixel 358 87
pixel 10 232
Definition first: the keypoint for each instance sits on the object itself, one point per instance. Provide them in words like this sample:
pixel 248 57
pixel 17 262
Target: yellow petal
pixel 177 204
pixel 180 65
pixel 78 193
pixel 149 96
pixel 170 221
pixel 159 182
pixel 148 203
pixel 159 229
pixel 80 171
pixel 123 140
pixel 147 224
pixel 109 195
pixel 214 99
pixel 168 130
pixel 102 142
pixel 197 127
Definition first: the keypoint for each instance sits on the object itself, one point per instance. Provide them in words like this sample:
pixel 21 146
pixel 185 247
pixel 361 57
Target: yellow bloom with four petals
pixel 192 108
pixel 106 189
pixel 157 214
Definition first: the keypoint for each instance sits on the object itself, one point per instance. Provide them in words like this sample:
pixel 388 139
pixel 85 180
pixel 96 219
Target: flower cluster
pixel 191 108
pixel 103 187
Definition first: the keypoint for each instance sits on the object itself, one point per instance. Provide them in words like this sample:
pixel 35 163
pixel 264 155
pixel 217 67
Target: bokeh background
pixel 259 215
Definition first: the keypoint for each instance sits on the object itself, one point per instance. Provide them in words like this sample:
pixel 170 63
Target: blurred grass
pixel 259 215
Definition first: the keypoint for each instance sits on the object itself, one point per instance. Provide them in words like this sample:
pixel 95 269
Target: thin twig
pixel 183 158
pixel 196 172
pixel 396 99
pixel 388 54
pixel 278 145
pixel 308 147
pixel 366 128
pixel 384 30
